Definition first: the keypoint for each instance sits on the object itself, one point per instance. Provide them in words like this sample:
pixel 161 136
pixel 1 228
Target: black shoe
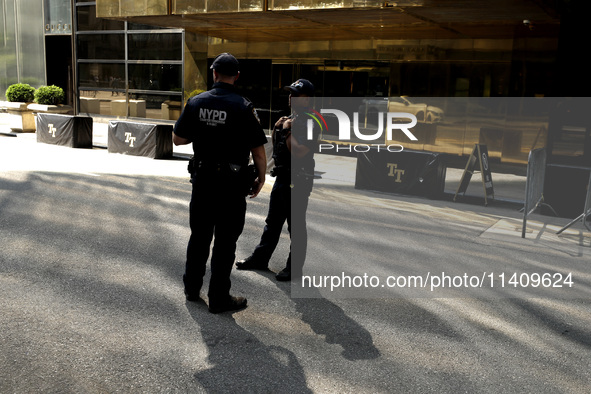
pixel 251 264
pixel 192 297
pixel 231 304
pixel 192 294
pixel 284 275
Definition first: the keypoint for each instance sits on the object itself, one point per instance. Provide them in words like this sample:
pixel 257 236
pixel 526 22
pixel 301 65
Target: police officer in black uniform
pixel 224 129
pixel 293 154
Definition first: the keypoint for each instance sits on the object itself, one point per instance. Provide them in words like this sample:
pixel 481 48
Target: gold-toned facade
pixel 123 8
pixel 416 48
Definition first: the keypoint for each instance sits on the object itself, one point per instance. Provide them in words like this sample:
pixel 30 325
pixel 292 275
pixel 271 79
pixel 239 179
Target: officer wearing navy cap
pixel 224 130
pixel 293 154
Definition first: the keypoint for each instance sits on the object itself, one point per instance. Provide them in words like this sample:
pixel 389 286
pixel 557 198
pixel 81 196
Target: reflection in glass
pixel 160 106
pixel 137 26
pixel 509 127
pixel 101 46
pixel 8 54
pixel 108 8
pixel 153 106
pixel 155 46
pixel 189 6
pixel 22 56
pixel 114 8
pixel 571 133
pixel 109 77
pixel 163 77
pixel 30 42
pixel 87 20
pixel 308 4
pixel 144 7
pixel 199 6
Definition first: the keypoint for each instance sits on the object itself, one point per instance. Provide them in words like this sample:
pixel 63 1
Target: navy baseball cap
pixel 225 64
pixel 301 86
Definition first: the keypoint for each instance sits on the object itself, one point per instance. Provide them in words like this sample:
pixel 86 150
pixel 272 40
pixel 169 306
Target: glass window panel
pixel 144 7
pixel 101 46
pixel 138 26
pixel 108 77
pixel 251 5
pixel 158 106
pixel 102 103
pixel 164 77
pixel 87 20
pixel 307 4
pixel 8 54
pixel 30 42
pixel 155 46
pixel 189 6
pixel 222 5
pixel 58 17
pixel 107 8
pixel 197 6
pixel 153 106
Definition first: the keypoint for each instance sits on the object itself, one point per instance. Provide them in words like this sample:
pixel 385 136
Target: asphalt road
pixel 91 293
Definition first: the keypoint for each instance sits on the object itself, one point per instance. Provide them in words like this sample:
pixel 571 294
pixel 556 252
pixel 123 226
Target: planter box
pixel 140 139
pixel 171 110
pixel 64 130
pixel 137 108
pixel 20 118
pixel 90 105
pixel 52 109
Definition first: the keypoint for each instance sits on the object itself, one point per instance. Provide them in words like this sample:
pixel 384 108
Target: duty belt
pixel 280 170
pixel 218 166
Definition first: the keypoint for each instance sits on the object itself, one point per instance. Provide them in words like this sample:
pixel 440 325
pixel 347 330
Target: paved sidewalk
pixel 91 294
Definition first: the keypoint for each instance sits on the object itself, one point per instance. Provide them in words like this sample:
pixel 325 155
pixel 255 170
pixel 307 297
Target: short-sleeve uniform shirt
pixel 222 125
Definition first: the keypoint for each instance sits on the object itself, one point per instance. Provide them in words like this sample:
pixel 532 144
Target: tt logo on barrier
pixel 129 139
pixel 52 129
pixel 395 172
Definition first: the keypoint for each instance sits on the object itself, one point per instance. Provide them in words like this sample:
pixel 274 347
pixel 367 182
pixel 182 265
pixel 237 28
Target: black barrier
pixel 140 139
pixel 587 210
pixel 584 217
pixel 565 189
pixel 64 130
pixel 534 185
pixel 406 172
pixel 478 156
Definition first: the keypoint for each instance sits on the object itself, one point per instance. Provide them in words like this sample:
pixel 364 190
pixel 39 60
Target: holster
pixel 280 171
pixel 191 166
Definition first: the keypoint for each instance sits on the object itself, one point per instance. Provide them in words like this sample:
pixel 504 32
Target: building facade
pixel 142 59
pixel 158 50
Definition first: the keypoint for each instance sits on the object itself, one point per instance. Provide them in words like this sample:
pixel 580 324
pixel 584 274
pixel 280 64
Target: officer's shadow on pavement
pixel 241 363
pixel 326 318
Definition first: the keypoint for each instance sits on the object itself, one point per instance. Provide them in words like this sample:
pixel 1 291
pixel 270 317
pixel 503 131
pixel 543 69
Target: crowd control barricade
pixel 479 156
pixel 534 185
pixel 586 210
pixel 406 172
pixel 140 139
pixel 65 130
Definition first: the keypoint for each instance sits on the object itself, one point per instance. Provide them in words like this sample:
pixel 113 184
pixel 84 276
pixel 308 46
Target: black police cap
pixel 301 86
pixel 225 64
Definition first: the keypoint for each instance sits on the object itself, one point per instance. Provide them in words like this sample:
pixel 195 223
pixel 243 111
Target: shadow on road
pixel 240 361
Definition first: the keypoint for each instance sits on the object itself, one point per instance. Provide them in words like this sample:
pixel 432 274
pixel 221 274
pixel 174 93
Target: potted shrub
pixel 19 95
pixel 20 92
pixel 55 123
pixel 49 99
